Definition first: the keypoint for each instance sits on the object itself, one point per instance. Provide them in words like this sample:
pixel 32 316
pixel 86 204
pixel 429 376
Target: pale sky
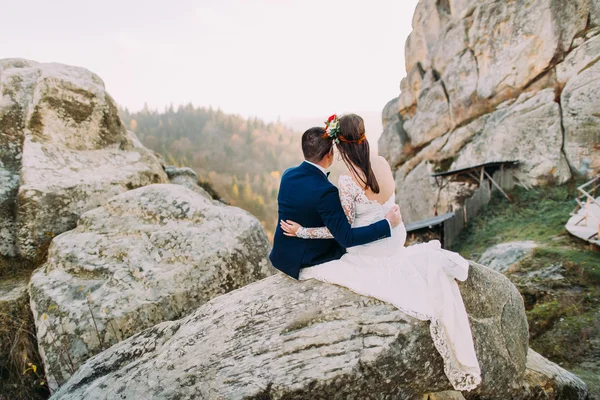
pixel 265 58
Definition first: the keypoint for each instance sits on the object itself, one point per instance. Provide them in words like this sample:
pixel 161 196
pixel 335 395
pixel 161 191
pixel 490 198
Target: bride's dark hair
pixel 357 154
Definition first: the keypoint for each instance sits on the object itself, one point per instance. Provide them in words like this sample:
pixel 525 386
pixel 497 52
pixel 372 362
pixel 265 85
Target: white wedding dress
pixel 419 280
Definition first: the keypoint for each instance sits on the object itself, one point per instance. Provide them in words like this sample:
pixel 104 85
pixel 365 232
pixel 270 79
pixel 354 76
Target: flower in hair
pixel 332 128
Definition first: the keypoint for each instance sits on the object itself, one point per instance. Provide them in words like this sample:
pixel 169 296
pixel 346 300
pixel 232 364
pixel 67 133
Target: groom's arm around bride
pixel 307 197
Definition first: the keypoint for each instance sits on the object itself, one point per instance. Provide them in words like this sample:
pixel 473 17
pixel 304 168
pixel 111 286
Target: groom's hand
pixel 393 216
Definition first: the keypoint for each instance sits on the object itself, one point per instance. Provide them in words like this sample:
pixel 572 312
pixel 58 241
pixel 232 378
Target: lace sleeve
pixel 314 233
pixel 347 190
pixel 347 198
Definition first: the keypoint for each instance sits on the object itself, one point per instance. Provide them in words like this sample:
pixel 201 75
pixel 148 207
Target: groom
pixel 307 197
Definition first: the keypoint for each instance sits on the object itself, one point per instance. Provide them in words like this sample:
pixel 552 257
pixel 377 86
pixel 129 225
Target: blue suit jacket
pixel 307 197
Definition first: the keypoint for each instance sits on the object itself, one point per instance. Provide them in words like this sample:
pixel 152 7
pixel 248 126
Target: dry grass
pixel 21 371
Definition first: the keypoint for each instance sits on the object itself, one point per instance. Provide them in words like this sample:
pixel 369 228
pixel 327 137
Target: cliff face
pixel 490 81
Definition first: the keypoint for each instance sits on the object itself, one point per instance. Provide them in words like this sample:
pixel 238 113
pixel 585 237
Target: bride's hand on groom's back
pixel 393 216
pixel 289 227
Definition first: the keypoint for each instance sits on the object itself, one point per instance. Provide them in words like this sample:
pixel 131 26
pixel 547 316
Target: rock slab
pixel 501 256
pixel 149 255
pixel 281 338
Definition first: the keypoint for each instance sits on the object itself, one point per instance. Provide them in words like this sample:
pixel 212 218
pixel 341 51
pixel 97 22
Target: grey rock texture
pixel 501 256
pixel 281 338
pixel 394 137
pixel 63 151
pixel 149 255
pixel 522 75
pixel 546 380
pixel 186 177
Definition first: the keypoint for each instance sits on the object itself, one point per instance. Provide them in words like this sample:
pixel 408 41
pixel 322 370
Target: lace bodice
pixel 359 209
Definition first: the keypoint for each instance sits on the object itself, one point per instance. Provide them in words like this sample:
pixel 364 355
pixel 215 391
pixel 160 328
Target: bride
pixel 420 280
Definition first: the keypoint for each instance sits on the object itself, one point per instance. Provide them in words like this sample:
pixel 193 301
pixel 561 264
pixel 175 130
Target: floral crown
pixel 332 130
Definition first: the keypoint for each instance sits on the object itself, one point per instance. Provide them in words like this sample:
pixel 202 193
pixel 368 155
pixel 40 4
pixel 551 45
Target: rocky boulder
pixel 501 256
pixel 63 151
pixel 493 80
pixel 186 177
pixel 509 133
pixel 149 255
pixel 394 138
pixel 282 338
pixel 580 101
pixel 546 380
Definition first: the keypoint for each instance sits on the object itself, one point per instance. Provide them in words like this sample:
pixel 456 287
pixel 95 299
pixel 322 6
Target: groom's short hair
pixel 314 145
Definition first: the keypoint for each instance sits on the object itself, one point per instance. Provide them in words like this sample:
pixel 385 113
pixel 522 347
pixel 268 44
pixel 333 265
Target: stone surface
pixel 149 255
pixel 459 138
pixel 501 256
pixel 432 118
pixel 186 177
pixel 468 60
pixel 580 102
pixel 416 193
pixel 63 151
pixel 393 141
pixel 281 338
pixel 410 90
pixel 595 12
pixel 461 8
pixel 513 132
pixel 460 80
pixel 453 42
pixel 580 58
pixel 546 380
pixel 516 41
pixel 445 395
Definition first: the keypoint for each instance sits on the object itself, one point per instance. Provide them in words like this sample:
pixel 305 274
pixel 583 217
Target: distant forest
pixel 241 158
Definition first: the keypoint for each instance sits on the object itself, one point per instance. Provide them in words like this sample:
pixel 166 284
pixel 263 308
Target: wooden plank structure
pixel 585 218
pixel 446 228
pixel 479 172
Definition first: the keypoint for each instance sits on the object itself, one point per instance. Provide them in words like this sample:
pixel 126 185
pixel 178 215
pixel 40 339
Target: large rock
pixel 454 41
pixel 149 255
pixel 502 256
pixel 513 132
pixel 460 79
pixel 516 41
pixel 432 118
pixel 595 12
pixel 580 102
pixel 469 60
pixel 417 193
pixel 582 57
pixel 410 90
pixel 186 177
pixel 63 151
pixel 546 380
pixel 281 338
pixel 394 140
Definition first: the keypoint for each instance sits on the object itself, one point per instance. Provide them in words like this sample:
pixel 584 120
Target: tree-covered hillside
pixel 242 158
